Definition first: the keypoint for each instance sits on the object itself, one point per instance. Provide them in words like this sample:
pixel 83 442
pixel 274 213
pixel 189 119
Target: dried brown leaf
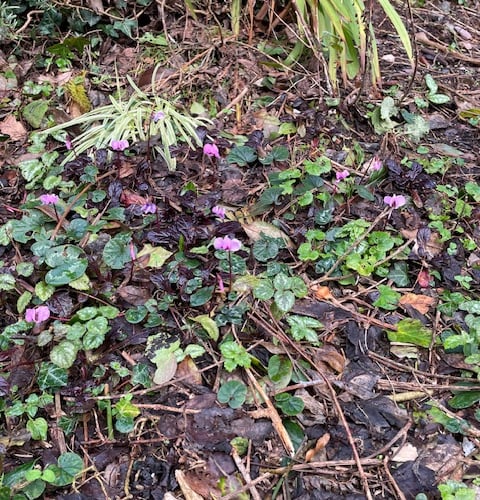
pixel 421 303
pixel 14 128
pixel 317 453
pixel 134 294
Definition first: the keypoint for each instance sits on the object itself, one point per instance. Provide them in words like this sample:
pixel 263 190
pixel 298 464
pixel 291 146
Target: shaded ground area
pixel 327 331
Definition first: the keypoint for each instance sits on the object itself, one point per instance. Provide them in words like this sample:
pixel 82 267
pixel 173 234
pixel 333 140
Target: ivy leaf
pixel 125 408
pixel 234 355
pixel 387 299
pixel 399 274
pixel 51 376
pixel 303 328
pixel 411 331
pixel 141 375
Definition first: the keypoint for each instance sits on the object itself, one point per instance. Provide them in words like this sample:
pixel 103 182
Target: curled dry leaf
pixel 256 228
pixel 421 303
pixel 14 128
pixel 330 356
pixel 134 295
pixel 318 453
pixel 407 453
pixel 129 197
pixel 188 371
pixel 322 292
pixel 424 279
pixel 188 492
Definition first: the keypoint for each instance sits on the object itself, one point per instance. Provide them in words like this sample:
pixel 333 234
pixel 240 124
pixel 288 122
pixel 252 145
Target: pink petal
pixel 30 315
pixel 219 244
pixel 235 245
pixel 43 313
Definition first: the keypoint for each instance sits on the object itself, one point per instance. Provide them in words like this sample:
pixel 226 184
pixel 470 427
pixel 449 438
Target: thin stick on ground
pixel 341 415
pixel 245 474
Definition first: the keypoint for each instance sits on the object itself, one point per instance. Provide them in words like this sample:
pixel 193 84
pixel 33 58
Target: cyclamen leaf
pixel 242 155
pixel 116 252
pixel 232 393
pixel 284 300
pixel 64 354
pixel 7 282
pixel 66 273
pixel 471 306
pixel 38 428
pixel 280 371
pixel 70 463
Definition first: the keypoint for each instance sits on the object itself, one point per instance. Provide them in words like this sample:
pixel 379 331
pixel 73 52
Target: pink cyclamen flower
pixel 49 199
pixel 68 143
pixel 119 145
pixel 219 212
pixel 37 314
pixel 340 176
pixel 376 164
pixel 157 116
pixel 228 244
pixel 395 201
pixel 211 150
pixel 149 208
